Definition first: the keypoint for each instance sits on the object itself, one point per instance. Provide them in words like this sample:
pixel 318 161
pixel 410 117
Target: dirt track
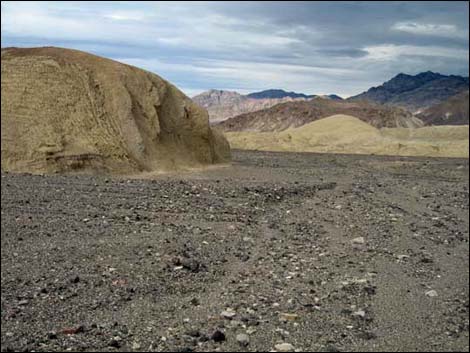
pixel 96 263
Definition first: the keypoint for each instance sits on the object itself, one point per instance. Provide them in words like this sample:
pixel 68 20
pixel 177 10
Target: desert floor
pixel 321 252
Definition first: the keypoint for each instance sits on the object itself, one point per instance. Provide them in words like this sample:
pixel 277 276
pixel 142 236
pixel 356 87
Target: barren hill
pixel 68 110
pixel 222 105
pixel 295 114
pixel 349 135
pixel 453 111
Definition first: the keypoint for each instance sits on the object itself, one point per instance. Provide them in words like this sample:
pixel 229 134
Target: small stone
pixel 186 349
pixel 73 330
pixel 282 332
pixel 359 240
pixel 251 331
pixel 243 340
pixel 76 279
pixel 193 333
pixel 235 324
pixel 427 260
pixel 195 302
pixel 218 336
pixel 228 314
pixel 367 335
pixel 23 302
pixel 136 346
pixel 331 348
pixel 359 313
pixel 191 265
pixel 431 293
pixel 289 317
pixel 284 347
pixel 115 342
pixel 52 335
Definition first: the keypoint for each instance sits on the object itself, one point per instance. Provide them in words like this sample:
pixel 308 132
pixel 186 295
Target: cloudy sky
pixel 315 48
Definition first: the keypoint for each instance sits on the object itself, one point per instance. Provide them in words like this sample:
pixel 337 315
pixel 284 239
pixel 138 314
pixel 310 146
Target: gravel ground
pixel 279 252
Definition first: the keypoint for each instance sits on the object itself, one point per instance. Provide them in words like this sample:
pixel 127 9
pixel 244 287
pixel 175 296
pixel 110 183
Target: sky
pixel 309 47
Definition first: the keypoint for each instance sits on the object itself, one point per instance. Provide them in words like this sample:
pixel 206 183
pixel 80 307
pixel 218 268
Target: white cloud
pixel 430 29
pixel 36 20
pixel 161 23
pixel 126 16
pixel 387 52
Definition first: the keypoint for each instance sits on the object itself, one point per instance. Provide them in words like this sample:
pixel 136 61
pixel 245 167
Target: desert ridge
pixel 349 135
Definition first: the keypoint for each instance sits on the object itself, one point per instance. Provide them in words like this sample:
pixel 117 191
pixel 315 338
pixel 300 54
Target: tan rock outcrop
pixel 66 110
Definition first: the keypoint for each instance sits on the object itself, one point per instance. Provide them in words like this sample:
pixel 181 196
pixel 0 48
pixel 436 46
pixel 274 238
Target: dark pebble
pixel 218 336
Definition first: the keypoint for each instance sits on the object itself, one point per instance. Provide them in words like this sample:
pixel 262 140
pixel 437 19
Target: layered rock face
pixel 66 110
pixel 295 114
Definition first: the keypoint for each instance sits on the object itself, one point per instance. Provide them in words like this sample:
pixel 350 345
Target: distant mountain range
pixel 415 93
pixel 277 93
pixel 222 105
pixel 280 93
pixel 431 97
pixel 297 113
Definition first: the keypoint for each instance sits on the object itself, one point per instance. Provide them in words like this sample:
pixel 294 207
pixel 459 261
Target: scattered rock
pixel 115 342
pixel 358 241
pixel 431 293
pixel 195 302
pixel 359 313
pixel 367 335
pixel 331 348
pixel 243 340
pixel 218 336
pixel 284 347
pixel 136 346
pixel 228 314
pixel 193 333
pixel 52 335
pixel 73 330
pixel 289 317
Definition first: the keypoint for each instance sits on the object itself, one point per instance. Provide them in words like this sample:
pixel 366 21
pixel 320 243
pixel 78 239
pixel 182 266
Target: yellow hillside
pixel 347 134
pixel 64 110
